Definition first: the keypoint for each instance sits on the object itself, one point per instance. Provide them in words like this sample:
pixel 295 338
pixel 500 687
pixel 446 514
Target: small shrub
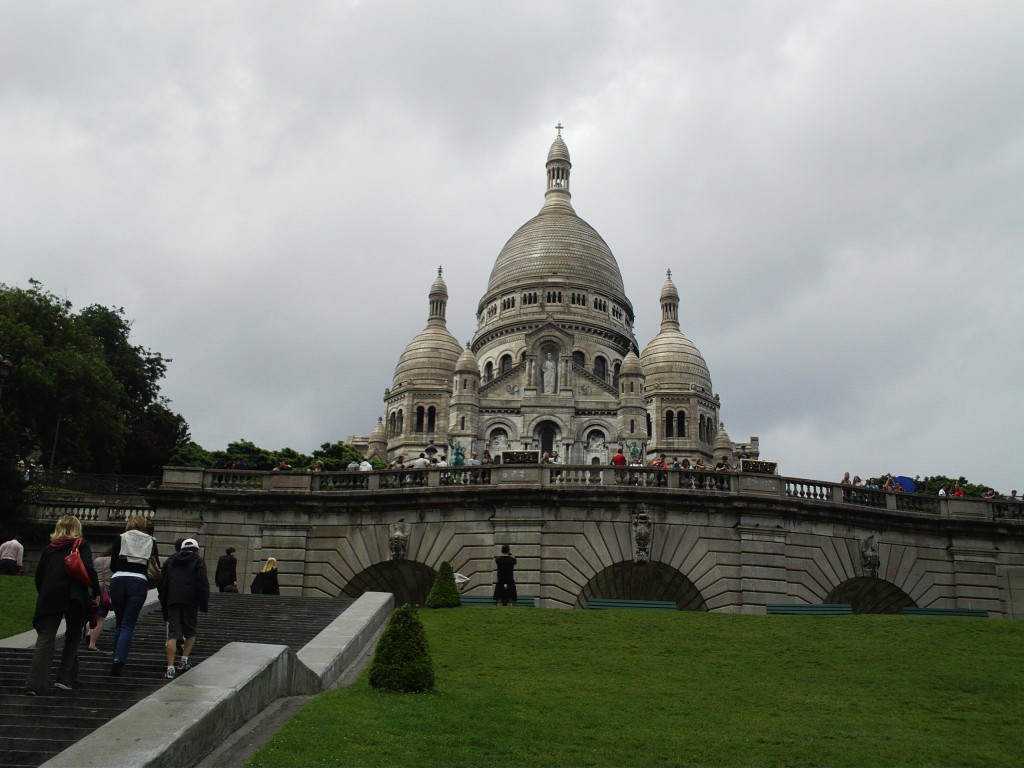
pixel 444 593
pixel 402 660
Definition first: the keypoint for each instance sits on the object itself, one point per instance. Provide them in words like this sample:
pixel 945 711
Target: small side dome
pixel 558 151
pixel 467 362
pixel 631 365
pixel 673 362
pixel 430 358
pixel 723 445
pixel 378 435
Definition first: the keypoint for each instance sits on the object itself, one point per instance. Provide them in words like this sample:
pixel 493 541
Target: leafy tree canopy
pixel 79 393
pixel 245 454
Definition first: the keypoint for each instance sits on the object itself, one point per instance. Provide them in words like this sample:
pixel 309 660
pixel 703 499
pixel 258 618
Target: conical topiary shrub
pixel 444 593
pixel 402 660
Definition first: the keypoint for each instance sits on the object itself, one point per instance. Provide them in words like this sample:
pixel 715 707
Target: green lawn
pixel 18 598
pixel 521 687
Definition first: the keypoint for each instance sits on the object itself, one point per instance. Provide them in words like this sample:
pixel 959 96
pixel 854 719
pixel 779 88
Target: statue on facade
pixel 547 376
pixel 642 528
pixel 869 559
pixel 398 540
pixel 634 453
pixel 457 453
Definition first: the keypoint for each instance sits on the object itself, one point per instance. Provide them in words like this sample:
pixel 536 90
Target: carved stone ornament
pixel 869 556
pixel 643 527
pixel 398 540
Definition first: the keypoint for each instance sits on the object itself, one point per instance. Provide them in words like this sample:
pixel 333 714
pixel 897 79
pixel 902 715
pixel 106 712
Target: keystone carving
pixel 869 556
pixel 643 527
pixel 398 540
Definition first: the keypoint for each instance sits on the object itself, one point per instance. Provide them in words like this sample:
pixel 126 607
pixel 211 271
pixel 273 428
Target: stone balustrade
pixel 592 475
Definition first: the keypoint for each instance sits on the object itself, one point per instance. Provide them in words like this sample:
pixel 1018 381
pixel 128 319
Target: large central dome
pixel 557 244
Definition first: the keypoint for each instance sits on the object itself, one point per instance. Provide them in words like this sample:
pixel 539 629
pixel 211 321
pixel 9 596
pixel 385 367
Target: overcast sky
pixel 268 190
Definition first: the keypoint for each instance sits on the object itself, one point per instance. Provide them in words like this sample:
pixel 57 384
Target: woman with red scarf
pixel 60 597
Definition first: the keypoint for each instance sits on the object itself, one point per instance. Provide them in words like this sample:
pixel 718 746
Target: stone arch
pixel 627 580
pixel 407 580
pixel 868 594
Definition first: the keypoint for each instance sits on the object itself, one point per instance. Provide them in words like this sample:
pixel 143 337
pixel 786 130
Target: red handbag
pixel 74 567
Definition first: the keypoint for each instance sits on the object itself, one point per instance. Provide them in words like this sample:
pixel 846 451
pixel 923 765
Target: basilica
pixel 554 365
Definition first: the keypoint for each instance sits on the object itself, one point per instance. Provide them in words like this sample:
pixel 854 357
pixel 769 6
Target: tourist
pixel 60 597
pixel 12 553
pixel 505 586
pixel 226 576
pixel 353 466
pixel 420 462
pixel 699 464
pixel 473 461
pixel 365 466
pixel 944 490
pixel 845 480
pixel 282 466
pixel 723 465
pixel 676 463
pixel 129 587
pixel 958 491
pixel 103 573
pixel 265 582
pixel 184 591
pixel 619 460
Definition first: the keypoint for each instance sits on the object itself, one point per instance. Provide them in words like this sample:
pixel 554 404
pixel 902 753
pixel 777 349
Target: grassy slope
pixel 18 598
pixel 633 688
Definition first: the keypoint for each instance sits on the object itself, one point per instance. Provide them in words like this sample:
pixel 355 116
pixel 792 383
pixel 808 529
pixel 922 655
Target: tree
pixel 444 593
pixel 402 660
pixel 79 389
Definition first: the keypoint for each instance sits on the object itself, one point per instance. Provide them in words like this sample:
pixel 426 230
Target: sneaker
pixel 184 666
pixel 30 692
pixel 169 674
pixel 62 686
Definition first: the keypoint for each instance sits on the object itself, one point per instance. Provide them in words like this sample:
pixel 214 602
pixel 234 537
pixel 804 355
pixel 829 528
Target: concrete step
pixel 34 729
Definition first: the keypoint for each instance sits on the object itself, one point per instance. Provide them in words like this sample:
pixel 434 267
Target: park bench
pixel 471 600
pixel 969 612
pixel 804 609
pixel 602 603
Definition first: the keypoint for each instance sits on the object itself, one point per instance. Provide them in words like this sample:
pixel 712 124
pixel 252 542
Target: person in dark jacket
pixel 265 582
pixel 60 597
pixel 184 591
pixel 226 575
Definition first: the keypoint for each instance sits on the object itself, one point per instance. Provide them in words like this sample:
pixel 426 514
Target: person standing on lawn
pixel 505 587
pixel 184 591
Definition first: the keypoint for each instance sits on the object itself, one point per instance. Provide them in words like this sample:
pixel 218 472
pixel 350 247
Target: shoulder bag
pixel 153 572
pixel 74 567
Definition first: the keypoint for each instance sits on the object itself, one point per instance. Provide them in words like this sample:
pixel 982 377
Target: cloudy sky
pixel 269 188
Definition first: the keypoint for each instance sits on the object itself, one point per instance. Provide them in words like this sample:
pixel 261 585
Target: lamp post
pixel 5 370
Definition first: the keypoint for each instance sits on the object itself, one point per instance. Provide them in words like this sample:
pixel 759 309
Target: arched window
pixel 488 371
pixel 681 421
pixel 615 374
pixel 579 359
pixel 702 434
pixel 392 424
pixel 670 424
pixel 401 422
pixel 420 411
pixel 462 424
pixel 601 368
pixel 506 363
pixel 650 427
pixel 431 418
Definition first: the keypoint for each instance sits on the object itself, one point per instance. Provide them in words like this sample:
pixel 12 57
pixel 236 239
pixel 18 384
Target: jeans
pixel 46 633
pixel 128 595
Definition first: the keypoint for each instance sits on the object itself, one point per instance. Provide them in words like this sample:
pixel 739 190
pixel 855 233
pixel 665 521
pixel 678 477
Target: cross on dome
pixel 559 128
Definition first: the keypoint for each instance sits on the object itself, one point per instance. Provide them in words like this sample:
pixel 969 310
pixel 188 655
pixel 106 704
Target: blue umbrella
pixel 909 486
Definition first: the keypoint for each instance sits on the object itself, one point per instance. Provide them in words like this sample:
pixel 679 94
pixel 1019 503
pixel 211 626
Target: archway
pixel 407 580
pixel 870 595
pixel 643 581
pixel 547 434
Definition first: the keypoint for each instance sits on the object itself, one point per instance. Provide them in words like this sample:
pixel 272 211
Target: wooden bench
pixel 603 603
pixel 471 600
pixel 975 614
pixel 804 609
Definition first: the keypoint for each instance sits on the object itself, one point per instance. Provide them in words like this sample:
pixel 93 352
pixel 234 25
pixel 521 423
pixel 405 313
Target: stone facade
pixel 554 364
pixel 712 541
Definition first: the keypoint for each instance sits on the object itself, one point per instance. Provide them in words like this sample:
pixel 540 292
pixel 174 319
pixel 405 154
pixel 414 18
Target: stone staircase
pixel 32 730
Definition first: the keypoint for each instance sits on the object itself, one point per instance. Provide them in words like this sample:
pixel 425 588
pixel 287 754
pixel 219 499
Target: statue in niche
pixel 595 442
pixel 499 442
pixel 869 559
pixel 548 375
pixel 642 527
pixel 398 541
